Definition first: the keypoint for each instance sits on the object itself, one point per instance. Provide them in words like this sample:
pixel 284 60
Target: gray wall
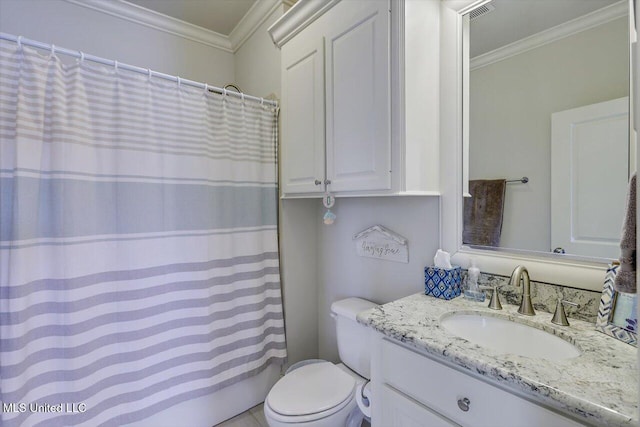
pixel 257 61
pixel 344 274
pixel 80 28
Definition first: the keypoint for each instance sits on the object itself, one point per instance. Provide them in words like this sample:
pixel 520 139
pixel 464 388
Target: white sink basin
pixel 508 337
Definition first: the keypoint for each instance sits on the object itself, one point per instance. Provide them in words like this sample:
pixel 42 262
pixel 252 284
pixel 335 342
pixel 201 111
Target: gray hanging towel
pixel 483 212
pixel 626 278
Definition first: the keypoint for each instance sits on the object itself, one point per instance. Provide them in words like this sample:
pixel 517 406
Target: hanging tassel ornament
pixel 328 200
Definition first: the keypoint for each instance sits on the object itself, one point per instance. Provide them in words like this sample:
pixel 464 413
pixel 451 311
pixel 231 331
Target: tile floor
pixel 254 417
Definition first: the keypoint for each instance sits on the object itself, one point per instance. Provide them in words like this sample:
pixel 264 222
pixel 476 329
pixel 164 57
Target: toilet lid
pixel 310 389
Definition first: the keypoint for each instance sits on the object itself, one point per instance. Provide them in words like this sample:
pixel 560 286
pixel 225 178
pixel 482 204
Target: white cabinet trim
pixel 299 17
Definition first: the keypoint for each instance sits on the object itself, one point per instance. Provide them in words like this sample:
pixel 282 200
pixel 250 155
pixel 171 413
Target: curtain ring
pixel 261 101
pixel 224 91
pixel 178 79
pixel 242 96
pixel 81 56
pixel 53 49
pixel 149 72
pixel 206 88
pixel 115 65
pixel 19 42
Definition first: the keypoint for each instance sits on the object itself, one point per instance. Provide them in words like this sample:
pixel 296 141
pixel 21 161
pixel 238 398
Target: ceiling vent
pixel 480 11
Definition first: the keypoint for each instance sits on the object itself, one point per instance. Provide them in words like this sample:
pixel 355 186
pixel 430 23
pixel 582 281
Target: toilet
pixel 317 393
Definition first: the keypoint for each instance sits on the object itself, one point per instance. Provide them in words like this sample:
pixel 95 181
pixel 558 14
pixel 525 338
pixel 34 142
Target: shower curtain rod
pixel 82 56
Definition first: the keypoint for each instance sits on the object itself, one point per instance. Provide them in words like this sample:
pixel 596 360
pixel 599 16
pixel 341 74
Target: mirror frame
pixel 577 272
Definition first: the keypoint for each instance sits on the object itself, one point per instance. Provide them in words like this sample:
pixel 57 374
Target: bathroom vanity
pixel 425 375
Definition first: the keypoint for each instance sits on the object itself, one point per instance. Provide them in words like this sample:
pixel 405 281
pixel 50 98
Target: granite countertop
pixel 599 386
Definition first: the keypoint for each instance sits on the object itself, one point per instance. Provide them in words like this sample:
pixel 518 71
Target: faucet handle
pixel 494 303
pixel 559 317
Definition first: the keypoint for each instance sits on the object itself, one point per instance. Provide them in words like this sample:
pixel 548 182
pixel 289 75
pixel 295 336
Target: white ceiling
pixel 514 20
pixel 220 16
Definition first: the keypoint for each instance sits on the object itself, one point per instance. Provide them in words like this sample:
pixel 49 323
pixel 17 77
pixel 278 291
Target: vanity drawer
pixel 402 411
pixel 444 390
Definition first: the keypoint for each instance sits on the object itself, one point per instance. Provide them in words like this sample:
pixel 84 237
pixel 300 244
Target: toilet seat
pixel 311 392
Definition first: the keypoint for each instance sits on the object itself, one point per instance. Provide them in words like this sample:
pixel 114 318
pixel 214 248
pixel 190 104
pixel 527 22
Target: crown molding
pixel 158 21
pixel 251 21
pixel 590 20
pixel 247 26
pixel 297 18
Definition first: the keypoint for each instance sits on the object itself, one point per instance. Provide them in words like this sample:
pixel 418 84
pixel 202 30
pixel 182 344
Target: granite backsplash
pixel 545 296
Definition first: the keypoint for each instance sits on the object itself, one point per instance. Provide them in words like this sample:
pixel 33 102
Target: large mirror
pixel 548 131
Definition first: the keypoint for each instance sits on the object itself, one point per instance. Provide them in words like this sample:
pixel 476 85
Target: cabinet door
pixel 358 96
pixel 441 388
pixel 302 114
pixel 401 411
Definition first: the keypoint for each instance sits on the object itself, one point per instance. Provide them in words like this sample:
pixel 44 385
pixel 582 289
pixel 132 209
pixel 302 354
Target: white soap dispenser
pixel 472 291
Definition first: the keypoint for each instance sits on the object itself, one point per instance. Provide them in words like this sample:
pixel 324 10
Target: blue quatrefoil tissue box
pixel 445 283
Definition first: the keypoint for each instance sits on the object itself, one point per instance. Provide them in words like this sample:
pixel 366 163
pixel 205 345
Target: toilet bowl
pixel 315 395
pixel 318 393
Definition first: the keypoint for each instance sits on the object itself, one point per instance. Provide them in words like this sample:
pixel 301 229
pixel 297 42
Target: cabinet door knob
pixel 327 182
pixel 317 182
pixel 463 404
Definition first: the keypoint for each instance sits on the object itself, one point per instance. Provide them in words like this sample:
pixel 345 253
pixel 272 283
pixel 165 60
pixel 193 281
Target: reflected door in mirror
pixel 589 148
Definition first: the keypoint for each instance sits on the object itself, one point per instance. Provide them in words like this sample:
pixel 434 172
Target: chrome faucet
pixel 521 273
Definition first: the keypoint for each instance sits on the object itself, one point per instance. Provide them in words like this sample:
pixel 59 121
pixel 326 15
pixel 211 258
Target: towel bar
pixel 522 180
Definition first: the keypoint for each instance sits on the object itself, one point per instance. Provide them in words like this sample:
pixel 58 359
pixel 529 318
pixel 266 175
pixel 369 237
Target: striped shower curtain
pixel 138 242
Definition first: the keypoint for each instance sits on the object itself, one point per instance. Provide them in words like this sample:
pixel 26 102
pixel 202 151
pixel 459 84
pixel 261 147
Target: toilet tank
pixel 354 345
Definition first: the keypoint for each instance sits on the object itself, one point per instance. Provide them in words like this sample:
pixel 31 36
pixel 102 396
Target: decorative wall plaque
pixel 381 243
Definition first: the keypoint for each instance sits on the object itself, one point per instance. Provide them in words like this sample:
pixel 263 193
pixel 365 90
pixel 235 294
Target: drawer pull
pixel 463 404
pixel 317 182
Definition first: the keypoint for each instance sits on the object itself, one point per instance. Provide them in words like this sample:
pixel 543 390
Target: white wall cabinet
pixel 336 102
pixel 302 113
pixel 358 99
pixel 418 391
pixel 343 121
